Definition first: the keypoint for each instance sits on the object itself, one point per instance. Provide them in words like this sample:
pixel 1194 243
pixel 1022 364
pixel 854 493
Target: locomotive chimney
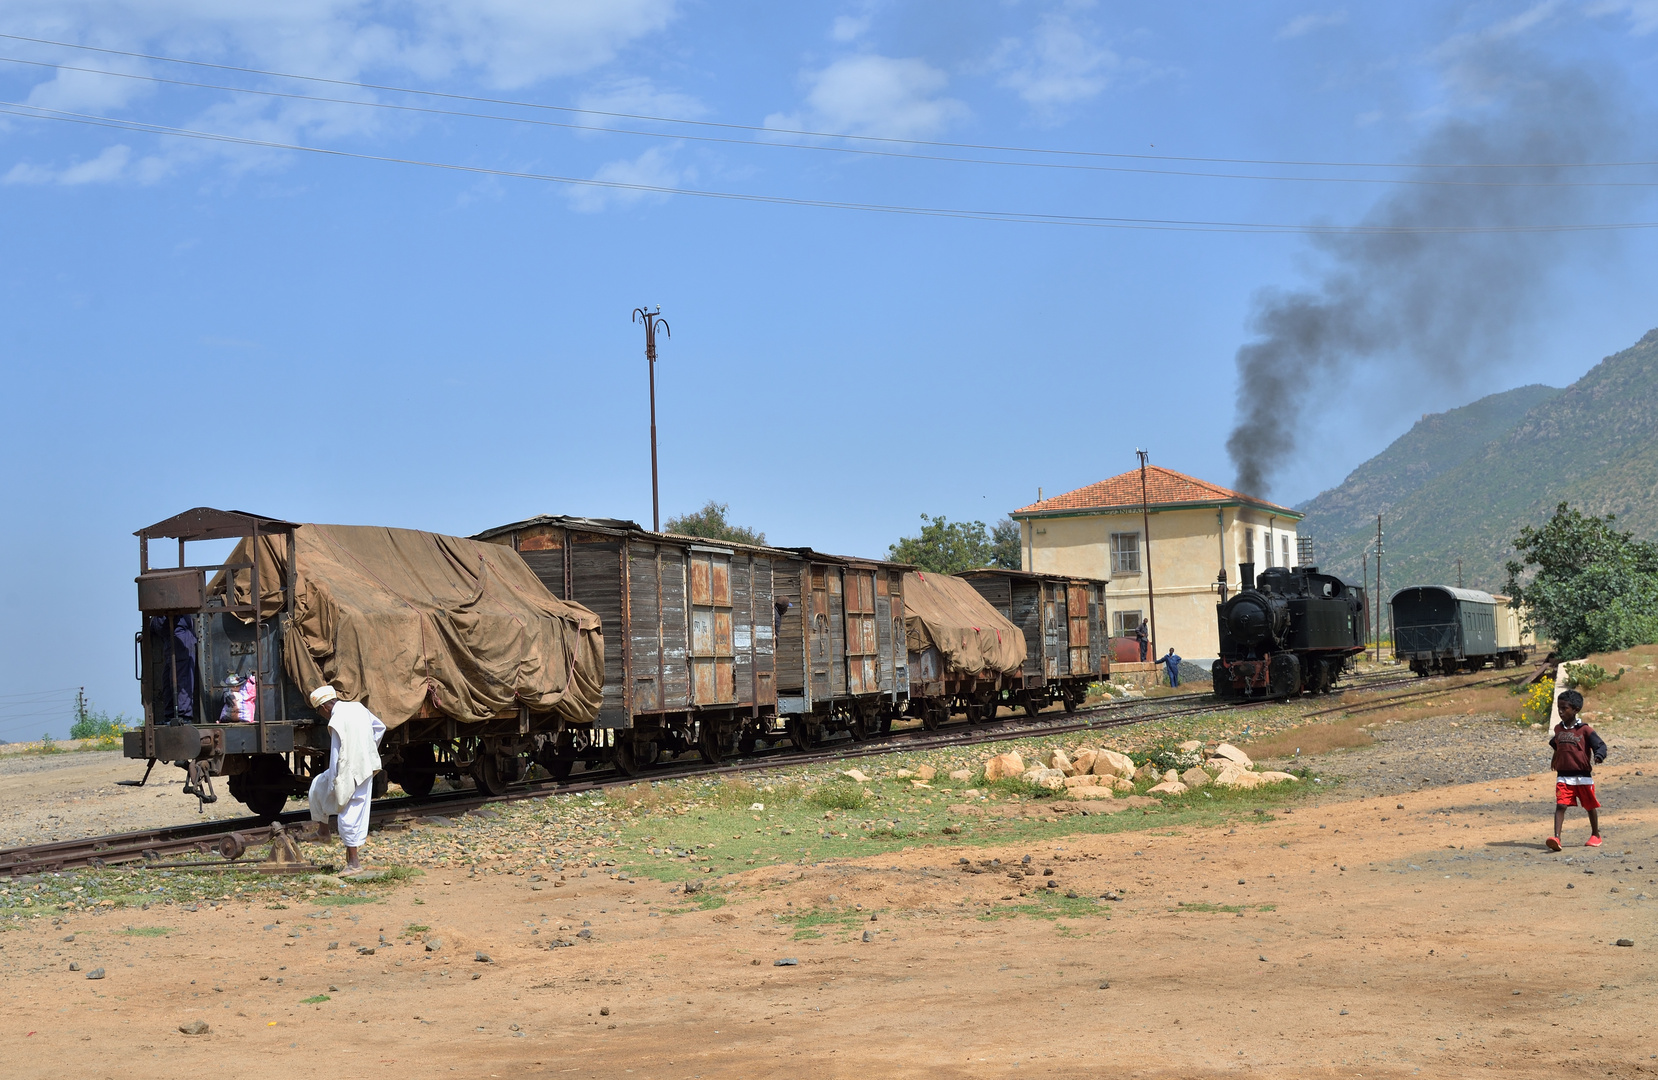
pixel 1246 575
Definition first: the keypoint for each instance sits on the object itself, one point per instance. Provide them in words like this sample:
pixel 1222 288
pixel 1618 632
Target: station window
pixel 1286 544
pixel 1125 623
pixel 1125 553
pixel 1249 545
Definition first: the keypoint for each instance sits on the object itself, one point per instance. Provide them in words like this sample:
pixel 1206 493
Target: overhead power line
pixel 1023 217
pixel 857 151
pixel 807 133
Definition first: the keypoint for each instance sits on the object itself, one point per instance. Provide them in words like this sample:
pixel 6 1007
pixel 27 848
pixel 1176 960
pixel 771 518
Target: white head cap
pixel 322 695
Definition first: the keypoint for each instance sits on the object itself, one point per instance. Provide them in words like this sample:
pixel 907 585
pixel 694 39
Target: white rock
pixel 1004 765
pixel 857 775
pixel 1194 777
pixel 1051 779
pixel 1057 759
pixel 1170 776
pixel 1083 759
pixel 1111 763
pixel 1167 787
pixel 1238 778
pixel 962 774
pixel 1232 753
pixel 925 772
pixel 1189 745
pixel 1277 778
pixel 1081 781
pixel 1122 784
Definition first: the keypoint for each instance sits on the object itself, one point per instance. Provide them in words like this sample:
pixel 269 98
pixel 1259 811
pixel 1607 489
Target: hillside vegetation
pixel 1463 483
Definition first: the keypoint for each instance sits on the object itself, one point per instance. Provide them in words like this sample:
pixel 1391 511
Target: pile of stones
pixel 1089 773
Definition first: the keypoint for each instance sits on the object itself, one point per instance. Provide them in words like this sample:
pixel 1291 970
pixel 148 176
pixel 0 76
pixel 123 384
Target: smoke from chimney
pixel 1438 306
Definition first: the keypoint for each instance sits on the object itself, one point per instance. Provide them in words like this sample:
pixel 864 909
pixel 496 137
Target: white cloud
pixel 1302 25
pixel 1642 14
pixel 114 163
pixel 654 168
pixel 849 27
pixel 875 95
pixel 1060 63
pixel 638 96
pixel 501 44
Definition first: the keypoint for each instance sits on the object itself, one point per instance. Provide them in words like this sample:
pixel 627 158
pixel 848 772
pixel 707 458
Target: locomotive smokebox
pixel 1246 575
pixel 1249 621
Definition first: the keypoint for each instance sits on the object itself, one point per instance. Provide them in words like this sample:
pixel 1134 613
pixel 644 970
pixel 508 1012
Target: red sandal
pixel 1552 843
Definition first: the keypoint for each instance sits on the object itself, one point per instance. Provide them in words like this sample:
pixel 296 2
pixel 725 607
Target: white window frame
pixel 1285 545
pixel 1249 544
pixel 1127 622
pixel 1118 560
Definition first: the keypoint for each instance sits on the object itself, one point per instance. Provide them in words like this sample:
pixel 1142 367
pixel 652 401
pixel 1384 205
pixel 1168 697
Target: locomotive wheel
pixel 857 724
pixel 803 733
pixel 267 785
pixel 418 774
pixel 709 743
pixel 488 774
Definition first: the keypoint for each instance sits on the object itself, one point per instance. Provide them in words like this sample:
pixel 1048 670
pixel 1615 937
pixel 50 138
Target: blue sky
pixel 336 338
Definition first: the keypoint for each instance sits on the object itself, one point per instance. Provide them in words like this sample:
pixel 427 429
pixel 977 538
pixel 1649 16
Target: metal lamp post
pixel 652 319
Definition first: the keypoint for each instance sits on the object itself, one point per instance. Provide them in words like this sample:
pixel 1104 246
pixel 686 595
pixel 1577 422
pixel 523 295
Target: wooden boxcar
pixel 1064 621
pixel 689 632
pixel 841 663
pixel 1440 629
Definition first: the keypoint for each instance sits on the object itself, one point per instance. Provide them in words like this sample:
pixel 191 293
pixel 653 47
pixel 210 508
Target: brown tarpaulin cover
pixel 393 617
pixel 970 635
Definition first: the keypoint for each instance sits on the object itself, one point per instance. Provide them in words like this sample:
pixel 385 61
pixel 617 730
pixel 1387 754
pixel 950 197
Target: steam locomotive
pixel 1292 629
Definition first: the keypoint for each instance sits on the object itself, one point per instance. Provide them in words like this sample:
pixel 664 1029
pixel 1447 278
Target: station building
pixel 1196 530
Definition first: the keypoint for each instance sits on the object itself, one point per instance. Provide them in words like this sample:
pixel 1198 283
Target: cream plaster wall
pixel 1186 552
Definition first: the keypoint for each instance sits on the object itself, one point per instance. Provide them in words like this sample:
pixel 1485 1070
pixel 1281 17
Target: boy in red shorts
pixel 1577 749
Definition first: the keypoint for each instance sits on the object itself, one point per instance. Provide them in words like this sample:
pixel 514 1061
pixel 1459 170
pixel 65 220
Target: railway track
pixel 230 839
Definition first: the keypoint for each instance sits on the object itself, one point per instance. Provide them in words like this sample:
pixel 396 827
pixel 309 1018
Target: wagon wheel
pixel 1033 704
pixel 488 775
pixel 629 758
pixel 803 733
pixel 857 722
pixel 1071 700
pixel 933 715
pixel 709 743
pixel 418 773
pixel 267 785
pixel 976 709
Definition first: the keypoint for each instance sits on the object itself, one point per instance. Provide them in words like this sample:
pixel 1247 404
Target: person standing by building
pixel 1172 663
pixel 344 790
pixel 1142 634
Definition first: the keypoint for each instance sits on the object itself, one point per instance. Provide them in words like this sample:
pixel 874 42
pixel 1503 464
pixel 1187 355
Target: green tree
pixel 949 547
pixel 1594 589
pixel 709 523
pixel 1006 545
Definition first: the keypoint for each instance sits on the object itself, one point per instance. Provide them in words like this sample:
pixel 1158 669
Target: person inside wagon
pixel 343 790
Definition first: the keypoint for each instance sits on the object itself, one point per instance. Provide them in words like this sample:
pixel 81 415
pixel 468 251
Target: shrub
pixel 1168 756
pixel 1539 702
pixel 103 729
pixel 1587 676
pixel 837 796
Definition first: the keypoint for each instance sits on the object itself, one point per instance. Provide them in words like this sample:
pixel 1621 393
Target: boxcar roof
pixel 1470 595
pixel 206 523
pixel 1000 571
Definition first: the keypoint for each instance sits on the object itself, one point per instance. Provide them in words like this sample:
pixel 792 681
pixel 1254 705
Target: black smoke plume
pixel 1440 306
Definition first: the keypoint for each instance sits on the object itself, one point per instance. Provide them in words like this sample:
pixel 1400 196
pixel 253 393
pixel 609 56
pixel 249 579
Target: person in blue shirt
pixel 1172 662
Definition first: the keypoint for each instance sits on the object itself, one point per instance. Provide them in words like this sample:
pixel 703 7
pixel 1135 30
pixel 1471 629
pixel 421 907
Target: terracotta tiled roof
pixel 1163 487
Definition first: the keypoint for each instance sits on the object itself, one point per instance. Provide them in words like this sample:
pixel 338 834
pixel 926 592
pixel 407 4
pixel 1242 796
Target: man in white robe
pixel 344 789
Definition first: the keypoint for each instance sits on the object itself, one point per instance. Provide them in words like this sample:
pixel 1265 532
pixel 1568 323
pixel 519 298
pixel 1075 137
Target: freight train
pixel 1290 630
pixel 554 641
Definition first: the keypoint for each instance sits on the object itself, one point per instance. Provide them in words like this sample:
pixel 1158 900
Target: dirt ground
pixel 1420 933
pixel 73 794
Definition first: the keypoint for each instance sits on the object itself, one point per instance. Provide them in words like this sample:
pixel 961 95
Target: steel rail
pixel 230 838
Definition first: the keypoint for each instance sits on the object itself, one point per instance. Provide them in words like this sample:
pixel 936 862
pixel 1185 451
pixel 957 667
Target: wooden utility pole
pixel 652 319
pixel 1378 588
pixel 1145 521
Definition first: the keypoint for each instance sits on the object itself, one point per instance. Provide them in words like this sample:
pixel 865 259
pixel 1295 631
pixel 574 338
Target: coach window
pixel 1125 553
